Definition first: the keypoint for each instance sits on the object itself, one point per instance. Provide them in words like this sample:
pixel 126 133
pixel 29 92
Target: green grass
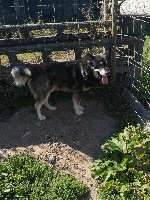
pixel 145 76
pixel 35 57
pixel 43 32
pixel 24 177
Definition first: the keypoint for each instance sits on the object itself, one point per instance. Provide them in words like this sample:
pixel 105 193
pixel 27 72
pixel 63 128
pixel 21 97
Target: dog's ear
pixel 89 57
pixel 101 55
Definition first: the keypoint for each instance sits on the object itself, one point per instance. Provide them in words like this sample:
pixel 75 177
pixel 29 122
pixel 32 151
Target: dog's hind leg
pixel 76 103
pixel 38 106
pixel 81 107
pixel 46 104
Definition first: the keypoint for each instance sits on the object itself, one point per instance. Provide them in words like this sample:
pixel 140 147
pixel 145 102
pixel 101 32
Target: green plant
pixel 24 177
pixel 143 83
pixel 122 169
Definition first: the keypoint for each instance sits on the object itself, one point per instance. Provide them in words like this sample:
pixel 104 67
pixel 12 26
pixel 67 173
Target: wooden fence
pixel 59 38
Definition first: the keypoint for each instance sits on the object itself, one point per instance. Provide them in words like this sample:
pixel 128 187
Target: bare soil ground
pixel 75 140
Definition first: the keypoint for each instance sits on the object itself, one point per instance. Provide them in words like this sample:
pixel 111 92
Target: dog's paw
pixel 81 107
pixel 52 108
pixel 41 117
pixel 79 112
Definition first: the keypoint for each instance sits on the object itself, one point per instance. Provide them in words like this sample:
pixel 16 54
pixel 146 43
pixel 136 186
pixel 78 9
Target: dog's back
pixel 62 75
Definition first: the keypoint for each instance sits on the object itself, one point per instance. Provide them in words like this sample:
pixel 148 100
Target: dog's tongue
pixel 104 80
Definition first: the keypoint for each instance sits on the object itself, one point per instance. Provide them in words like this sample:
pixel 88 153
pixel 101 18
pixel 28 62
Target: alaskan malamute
pixel 73 76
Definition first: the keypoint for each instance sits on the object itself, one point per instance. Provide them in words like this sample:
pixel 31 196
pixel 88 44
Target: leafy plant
pixel 143 83
pixel 24 177
pixel 122 169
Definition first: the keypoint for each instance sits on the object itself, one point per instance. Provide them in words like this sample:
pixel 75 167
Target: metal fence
pixel 19 11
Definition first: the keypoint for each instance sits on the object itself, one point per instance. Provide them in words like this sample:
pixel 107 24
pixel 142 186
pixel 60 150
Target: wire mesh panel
pixel 133 55
pixel 19 11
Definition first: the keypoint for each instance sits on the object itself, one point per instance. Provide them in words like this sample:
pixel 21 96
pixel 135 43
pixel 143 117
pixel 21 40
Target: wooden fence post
pixel 106 10
pixel 114 38
pixel 106 16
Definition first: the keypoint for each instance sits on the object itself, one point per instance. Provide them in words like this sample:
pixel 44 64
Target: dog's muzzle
pixel 103 72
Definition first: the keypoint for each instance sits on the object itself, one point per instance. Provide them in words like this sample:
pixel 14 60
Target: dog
pixel 73 76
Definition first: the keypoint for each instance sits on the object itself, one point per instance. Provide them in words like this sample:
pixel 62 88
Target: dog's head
pixel 101 66
pixel 97 64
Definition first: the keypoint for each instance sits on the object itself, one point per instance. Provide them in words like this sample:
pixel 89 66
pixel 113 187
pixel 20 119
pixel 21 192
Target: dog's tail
pixel 21 74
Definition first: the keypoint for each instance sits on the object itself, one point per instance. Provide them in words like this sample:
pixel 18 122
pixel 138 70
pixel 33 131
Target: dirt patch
pixel 75 140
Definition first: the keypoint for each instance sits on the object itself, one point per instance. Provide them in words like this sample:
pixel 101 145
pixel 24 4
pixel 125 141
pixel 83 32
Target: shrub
pixel 122 168
pixel 24 177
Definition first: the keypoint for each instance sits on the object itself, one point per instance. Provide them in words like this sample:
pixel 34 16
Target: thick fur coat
pixel 73 76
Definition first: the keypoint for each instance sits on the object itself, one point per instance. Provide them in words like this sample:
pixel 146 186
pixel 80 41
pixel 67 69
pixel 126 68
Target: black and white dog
pixel 75 76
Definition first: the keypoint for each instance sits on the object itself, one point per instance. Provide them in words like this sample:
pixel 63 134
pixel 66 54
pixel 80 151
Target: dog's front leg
pixel 38 106
pixel 76 103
